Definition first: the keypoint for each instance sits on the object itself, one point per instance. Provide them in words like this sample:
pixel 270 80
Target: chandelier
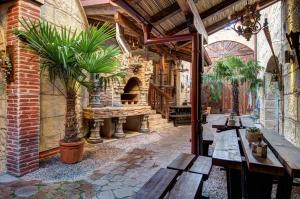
pixel 248 23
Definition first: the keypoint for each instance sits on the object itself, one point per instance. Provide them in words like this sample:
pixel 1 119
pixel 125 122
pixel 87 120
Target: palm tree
pixel 69 56
pixel 232 69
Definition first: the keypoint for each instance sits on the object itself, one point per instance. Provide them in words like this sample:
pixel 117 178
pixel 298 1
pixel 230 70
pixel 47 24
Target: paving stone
pixel 5 178
pixel 70 186
pixel 105 195
pixel 123 192
pixel 100 182
pixel 26 191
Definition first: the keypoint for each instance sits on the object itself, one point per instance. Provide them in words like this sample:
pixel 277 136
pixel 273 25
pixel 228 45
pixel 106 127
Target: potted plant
pixel 234 70
pixel 61 51
pixel 253 134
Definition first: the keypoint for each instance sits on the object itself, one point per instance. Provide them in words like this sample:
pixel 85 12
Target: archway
pixel 270 99
pixel 216 51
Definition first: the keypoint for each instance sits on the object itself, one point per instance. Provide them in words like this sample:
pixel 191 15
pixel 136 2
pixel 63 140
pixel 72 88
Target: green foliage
pixel 232 69
pixel 68 55
pixel 214 85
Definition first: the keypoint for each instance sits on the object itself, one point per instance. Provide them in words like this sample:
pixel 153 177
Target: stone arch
pixel 216 51
pixel 270 98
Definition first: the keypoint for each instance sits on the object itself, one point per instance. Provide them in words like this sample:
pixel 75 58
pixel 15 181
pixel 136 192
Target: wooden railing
pixel 159 101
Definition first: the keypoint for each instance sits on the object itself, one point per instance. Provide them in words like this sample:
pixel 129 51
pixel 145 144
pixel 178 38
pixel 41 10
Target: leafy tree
pixel 69 56
pixel 233 70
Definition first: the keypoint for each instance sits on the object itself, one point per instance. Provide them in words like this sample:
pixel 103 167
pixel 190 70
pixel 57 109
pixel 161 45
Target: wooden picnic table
pixel 227 154
pixel 259 172
pixel 247 175
pixel 288 155
pixel 222 124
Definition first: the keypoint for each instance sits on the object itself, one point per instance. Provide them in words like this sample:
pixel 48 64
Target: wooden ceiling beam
pixel 103 10
pixel 198 23
pixel 177 29
pixel 85 3
pixel 183 6
pixel 165 13
pixel 126 23
pixel 224 22
pixel 217 8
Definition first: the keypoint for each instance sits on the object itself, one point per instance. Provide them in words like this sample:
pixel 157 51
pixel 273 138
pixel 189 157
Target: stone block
pixel 269 103
pixel 52 106
pixel 47 12
pixel 270 114
pixel 291 106
pixel 290 130
pixel 53 126
pixel 49 142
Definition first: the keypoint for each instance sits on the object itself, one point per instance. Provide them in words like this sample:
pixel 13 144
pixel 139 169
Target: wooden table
pixel 259 172
pixel 289 156
pixel 227 154
pixel 222 125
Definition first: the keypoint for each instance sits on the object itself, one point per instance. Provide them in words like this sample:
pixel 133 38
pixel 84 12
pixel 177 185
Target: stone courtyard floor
pixel 113 170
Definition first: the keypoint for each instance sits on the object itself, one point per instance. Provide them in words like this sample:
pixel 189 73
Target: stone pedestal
pixel 119 133
pixel 95 131
pixel 144 124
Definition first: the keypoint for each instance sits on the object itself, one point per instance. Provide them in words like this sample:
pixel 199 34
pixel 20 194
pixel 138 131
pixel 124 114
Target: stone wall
pixel 284 103
pixel 61 13
pixel 3 96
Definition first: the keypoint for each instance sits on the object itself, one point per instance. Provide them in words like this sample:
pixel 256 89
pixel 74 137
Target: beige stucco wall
pixel 287 17
pixel 61 13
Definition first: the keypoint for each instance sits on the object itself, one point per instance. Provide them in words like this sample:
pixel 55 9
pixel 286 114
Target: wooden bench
pixel 203 166
pixel 188 186
pixel 182 162
pixel 158 185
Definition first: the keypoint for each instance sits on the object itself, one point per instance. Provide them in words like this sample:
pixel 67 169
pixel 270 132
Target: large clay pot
pixel 71 152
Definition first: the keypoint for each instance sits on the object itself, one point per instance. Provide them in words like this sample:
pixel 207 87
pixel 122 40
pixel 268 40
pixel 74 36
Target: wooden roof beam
pixel 203 15
pixel 223 23
pixel 85 3
pixel 123 21
pixel 165 13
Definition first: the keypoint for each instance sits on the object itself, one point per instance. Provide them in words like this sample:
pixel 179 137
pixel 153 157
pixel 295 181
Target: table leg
pixel 284 188
pixel 205 148
pixel 234 189
pixel 258 185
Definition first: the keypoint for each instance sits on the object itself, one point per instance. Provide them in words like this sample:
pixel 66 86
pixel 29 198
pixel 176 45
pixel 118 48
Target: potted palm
pixel 235 71
pixel 61 51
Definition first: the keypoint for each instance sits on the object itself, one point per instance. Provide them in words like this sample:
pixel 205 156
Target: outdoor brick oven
pixel 124 103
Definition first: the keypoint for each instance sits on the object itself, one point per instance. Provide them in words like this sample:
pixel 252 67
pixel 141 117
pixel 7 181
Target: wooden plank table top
pixel 220 123
pixel 287 153
pixel 247 122
pixel 269 165
pixel 227 152
pixel 182 162
pixel 158 185
pixel 187 187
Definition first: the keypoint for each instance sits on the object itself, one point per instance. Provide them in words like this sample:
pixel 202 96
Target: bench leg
pixel 234 188
pixel 258 185
pixel 205 148
pixel 284 188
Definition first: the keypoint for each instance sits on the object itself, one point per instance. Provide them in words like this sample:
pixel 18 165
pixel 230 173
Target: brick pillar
pixel 23 112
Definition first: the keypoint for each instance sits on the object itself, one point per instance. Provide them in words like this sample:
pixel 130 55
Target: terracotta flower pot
pixel 72 152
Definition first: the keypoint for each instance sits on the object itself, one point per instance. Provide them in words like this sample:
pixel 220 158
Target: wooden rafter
pixel 165 13
pixel 123 21
pixel 217 8
pixel 224 22
pixel 177 29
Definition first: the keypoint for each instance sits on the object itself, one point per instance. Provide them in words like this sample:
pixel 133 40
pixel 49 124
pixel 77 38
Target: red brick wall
pixel 23 112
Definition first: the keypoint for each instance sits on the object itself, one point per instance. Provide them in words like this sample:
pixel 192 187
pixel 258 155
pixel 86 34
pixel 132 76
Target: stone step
pixel 155 116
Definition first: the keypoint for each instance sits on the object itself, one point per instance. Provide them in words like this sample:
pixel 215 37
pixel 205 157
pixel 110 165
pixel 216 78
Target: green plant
pixel 214 85
pixel 233 70
pixel 69 57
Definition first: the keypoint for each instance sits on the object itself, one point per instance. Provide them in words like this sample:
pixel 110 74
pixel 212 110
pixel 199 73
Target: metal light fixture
pixel 248 23
pixel 294 42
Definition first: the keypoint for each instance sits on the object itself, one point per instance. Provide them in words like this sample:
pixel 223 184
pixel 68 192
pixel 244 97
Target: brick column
pixel 23 112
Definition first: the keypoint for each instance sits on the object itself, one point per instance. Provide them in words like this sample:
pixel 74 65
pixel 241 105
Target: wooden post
pixel 197 67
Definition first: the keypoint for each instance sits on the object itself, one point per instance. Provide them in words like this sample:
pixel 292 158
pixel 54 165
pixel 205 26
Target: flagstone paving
pixel 115 170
